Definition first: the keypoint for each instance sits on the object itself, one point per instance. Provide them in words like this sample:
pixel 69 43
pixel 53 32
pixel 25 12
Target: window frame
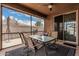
pixel 20 11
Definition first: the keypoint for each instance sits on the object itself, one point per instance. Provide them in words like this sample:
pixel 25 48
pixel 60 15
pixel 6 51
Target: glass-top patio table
pixel 43 39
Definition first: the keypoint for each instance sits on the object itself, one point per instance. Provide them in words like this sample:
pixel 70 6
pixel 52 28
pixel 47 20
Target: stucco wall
pixel 49 25
pixel 0 28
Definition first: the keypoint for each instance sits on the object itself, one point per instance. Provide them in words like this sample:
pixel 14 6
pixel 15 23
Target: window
pixel 14 23
pixel 37 25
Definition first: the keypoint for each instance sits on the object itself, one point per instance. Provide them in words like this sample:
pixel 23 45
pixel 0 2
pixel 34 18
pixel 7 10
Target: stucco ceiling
pixel 57 8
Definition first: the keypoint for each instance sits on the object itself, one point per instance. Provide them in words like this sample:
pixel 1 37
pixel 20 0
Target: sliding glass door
pixel 70 27
pixel 65 25
pixel 59 26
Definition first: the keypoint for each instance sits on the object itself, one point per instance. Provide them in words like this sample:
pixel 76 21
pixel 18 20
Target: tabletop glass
pixel 42 38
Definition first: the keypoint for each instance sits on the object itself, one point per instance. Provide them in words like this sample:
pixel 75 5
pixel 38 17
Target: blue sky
pixel 18 16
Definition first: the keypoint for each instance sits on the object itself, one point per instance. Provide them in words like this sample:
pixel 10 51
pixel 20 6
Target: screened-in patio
pixel 34 29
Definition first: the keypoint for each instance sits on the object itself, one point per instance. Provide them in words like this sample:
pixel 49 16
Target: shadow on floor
pixel 60 51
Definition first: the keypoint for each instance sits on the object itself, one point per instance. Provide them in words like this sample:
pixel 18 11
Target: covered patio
pixel 54 26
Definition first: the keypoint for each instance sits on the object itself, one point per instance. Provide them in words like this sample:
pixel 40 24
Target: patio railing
pixel 14 35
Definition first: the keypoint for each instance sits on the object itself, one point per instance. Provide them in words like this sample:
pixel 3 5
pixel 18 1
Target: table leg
pixel 45 48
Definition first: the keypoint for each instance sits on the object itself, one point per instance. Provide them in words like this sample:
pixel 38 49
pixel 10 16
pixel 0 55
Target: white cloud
pixel 28 22
pixel 3 17
pixel 20 21
pixel 16 19
pixel 27 15
pixel 4 20
pixel 33 23
pixel 25 22
pixel 11 17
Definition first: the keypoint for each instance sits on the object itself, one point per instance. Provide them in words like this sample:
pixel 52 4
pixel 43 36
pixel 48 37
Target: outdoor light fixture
pixel 50 7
